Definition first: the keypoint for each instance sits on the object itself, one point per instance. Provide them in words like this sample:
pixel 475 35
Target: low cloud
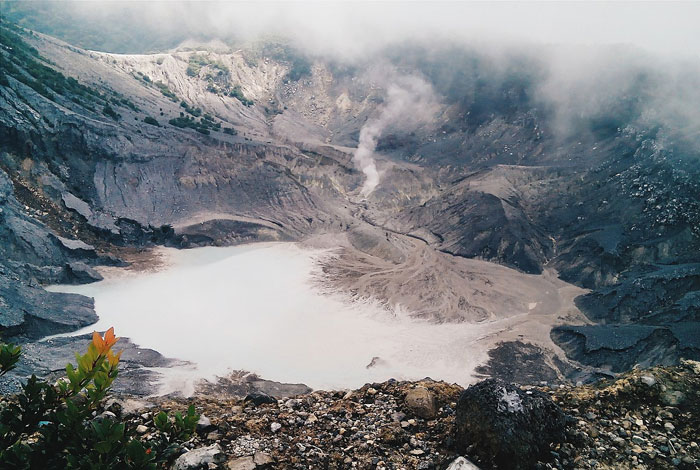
pixel 353 29
pixel 589 58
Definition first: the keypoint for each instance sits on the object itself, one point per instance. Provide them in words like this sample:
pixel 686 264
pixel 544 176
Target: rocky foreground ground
pixel 642 419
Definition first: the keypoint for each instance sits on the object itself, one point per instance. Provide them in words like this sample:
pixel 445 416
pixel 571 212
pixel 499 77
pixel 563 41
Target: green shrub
pixel 237 93
pixel 165 90
pixel 52 426
pixel 300 67
pixel 109 111
pixel 180 122
pixel 193 70
pixel 151 121
pixel 299 63
pixel 193 111
pixel 197 61
pixel 129 104
pixel 9 356
pixel 203 126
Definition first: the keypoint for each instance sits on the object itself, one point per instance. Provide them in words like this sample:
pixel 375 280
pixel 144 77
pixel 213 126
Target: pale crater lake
pixel 259 308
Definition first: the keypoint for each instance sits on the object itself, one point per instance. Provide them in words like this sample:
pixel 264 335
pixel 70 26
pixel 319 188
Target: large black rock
pixel 508 427
pixel 257 399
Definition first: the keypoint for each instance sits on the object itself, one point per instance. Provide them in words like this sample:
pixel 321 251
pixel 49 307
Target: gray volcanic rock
pixel 506 426
pixel 656 294
pixel 201 457
pixel 652 316
pixel 24 239
pixel 242 384
pixel 524 363
pixel 619 347
pixel 80 272
pixel 460 463
pixel 257 399
pixel 477 224
pixel 48 358
pixel 29 254
pixel 30 312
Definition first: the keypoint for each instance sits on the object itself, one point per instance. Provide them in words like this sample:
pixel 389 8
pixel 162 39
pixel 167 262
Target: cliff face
pixel 104 153
pixel 30 251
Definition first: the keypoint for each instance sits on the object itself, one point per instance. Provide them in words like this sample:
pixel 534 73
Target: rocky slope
pixel 103 155
pixel 644 419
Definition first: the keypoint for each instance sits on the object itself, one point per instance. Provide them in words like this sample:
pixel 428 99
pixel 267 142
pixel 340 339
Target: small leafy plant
pixel 58 426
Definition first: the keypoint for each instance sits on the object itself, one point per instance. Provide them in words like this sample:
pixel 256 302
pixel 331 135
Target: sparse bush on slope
pixel 150 120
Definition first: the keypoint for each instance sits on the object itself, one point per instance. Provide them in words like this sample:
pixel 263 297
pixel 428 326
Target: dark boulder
pixel 81 273
pixel 507 427
pixel 258 399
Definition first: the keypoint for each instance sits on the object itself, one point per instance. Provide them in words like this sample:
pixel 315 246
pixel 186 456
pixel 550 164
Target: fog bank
pixel 353 29
pixel 629 62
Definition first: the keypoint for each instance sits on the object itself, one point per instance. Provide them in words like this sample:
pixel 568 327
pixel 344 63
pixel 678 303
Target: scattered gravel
pixel 631 422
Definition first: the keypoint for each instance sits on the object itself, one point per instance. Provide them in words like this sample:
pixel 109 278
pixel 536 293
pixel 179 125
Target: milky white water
pixel 256 308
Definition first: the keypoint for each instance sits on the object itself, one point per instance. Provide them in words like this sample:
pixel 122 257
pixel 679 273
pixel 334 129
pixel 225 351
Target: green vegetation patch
pixel 23 63
pixel 107 110
pixel 151 121
pixel 204 125
pixel 299 64
pixel 237 93
pixel 166 91
pixel 196 112
pixel 198 61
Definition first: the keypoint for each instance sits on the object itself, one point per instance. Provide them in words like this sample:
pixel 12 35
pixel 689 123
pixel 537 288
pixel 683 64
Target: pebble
pixel 241 463
pixel 421 402
pixel 203 423
pixel 197 458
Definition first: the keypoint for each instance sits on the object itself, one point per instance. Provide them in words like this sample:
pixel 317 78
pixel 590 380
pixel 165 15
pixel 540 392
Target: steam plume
pixel 410 102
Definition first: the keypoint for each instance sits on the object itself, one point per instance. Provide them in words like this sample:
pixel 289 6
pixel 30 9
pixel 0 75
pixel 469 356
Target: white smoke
pixel 410 102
